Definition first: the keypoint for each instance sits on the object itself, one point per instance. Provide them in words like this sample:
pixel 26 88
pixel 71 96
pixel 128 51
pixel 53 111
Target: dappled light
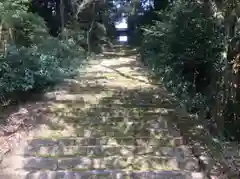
pixel 120 124
pixel 112 123
pixel 119 89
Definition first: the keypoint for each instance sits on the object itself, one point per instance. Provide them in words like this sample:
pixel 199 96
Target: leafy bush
pixel 28 28
pixel 26 68
pixel 32 58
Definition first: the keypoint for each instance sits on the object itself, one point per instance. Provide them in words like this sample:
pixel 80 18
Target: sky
pixel 123 38
pixel 122 24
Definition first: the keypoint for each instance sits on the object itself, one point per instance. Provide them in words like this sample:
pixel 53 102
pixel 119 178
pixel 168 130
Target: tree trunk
pixel 1 39
pixel 89 32
pixel 231 77
pixel 62 35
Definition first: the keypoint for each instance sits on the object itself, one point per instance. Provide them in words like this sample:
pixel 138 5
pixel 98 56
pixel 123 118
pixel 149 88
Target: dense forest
pixel 193 47
pixel 43 41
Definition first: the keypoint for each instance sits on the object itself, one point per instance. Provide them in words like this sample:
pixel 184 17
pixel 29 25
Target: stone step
pixel 36 143
pixel 107 106
pixel 107 174
pixel 103 112
pixel 117 130
pixel 119 121
pixel 129 101
pixel 143 162
pixel 135 105
pixel 59 150
pixel 104 141
pixel 121 105
pixel 121 129
pixel 112 132
pixel 88 117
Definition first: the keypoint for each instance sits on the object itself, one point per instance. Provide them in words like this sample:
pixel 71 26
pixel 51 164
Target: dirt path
pixel 109 122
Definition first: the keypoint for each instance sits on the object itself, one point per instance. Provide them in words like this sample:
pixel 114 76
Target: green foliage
pixel 32 58
pixel 29 29
pixel 185 50
pixel 26 68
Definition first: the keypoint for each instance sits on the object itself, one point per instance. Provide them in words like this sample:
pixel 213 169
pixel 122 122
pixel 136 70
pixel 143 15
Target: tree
pixel 230 12
pixel 193 48
pixel 87 14
pixel 31 58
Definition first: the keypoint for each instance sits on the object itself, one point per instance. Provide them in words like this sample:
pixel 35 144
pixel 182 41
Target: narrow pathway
pixel 109 122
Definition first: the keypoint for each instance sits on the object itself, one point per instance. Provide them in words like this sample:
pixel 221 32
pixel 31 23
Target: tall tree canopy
pixel 197 43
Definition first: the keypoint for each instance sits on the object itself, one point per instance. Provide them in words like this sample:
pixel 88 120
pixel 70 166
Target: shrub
pixel 34 59
pixel 26 68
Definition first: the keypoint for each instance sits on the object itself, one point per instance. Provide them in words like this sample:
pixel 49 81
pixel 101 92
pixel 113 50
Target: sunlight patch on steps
pixel 84 102
pixel 45 131
pixel 117 61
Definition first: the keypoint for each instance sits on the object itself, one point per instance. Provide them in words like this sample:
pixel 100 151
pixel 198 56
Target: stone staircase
pixel 105 126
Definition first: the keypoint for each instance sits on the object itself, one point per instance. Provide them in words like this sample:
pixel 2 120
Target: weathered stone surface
pixel 160 175
pixel 152 175
pixel 190 164
pixel 38 163
pixel 115 141
pixel 40 151
pixel 50 150
pixel 107 150
pixel 104 174
pixel 197 175
pixel 110 126
pixel 65 175
pixel 72 141
pixel 118 162
pixel 183 151
pixel 111 174
pixel 86 163
pixel 35 143
pixel 41 175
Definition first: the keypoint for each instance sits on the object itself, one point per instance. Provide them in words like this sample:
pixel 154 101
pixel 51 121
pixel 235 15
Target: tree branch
pixel 83 6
